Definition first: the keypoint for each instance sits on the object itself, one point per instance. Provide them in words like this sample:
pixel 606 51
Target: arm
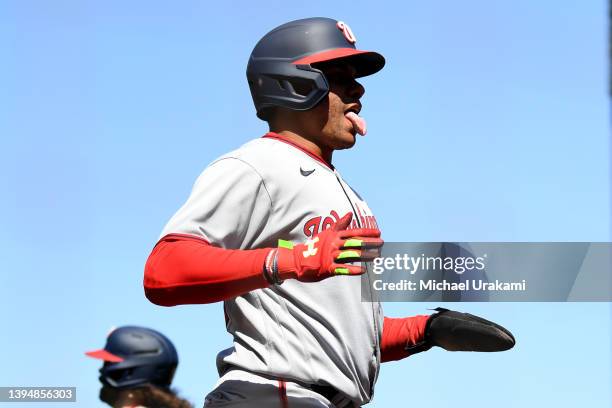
pixel 185 269
pixel 196 260
pixel 399 334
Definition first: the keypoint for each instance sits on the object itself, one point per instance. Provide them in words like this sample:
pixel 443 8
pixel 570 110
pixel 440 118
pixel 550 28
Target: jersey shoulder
pixel 266 156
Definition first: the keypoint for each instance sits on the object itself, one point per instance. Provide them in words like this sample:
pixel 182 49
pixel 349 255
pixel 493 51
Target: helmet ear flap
pixel 298 86
pixel 286 85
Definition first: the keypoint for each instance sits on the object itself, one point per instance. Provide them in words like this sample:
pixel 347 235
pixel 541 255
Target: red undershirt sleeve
pixel 185 269
pixel 399 333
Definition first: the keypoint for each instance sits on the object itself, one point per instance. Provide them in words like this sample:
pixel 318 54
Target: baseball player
pixel 139 364
pixel 274 231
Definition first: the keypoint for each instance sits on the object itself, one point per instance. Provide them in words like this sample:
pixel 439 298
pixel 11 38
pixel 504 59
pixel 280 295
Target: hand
pixel 328 253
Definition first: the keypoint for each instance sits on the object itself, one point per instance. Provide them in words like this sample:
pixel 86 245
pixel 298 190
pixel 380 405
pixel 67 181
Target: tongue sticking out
pixel 359 123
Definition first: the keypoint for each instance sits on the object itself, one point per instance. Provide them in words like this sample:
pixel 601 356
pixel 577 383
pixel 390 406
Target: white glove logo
pixel 311 251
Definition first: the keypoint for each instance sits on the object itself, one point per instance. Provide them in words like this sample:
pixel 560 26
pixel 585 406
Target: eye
pixel 340 78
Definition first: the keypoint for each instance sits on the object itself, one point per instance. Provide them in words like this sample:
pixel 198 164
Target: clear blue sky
pixel 489 123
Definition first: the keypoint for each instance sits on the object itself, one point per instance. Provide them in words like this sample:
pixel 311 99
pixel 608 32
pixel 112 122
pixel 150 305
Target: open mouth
pixel 354 109
pixel 357 122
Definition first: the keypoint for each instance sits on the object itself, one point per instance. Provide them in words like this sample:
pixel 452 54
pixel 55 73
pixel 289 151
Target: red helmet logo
pixel 346 30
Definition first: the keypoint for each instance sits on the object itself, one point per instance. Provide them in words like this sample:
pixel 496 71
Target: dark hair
pixel 148 395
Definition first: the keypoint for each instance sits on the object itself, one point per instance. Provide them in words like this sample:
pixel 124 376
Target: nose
pixel 355 90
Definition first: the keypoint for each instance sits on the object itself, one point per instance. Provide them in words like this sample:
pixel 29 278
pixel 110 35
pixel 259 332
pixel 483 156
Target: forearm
pixel 184 269
pixel 399 334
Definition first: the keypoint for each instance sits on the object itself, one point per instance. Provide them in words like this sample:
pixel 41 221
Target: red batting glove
pixel 328 253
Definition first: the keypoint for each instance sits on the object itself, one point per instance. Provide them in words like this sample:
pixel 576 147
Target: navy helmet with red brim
pixel 134 356
pixel 284 63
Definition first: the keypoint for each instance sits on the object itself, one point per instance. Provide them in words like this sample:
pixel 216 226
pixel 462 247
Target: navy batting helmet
pixel 280 69
pixel 135 356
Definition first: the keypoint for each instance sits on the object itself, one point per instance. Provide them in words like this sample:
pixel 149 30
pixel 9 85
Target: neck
pixel 307 144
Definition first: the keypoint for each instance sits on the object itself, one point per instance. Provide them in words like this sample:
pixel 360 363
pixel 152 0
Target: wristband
pixel 268 268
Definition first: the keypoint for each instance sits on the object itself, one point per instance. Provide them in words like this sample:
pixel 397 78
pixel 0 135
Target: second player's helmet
pixel 282 67
pixel 134 356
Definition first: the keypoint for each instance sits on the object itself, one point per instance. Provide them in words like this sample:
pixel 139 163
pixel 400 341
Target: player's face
pixel 336 131
pixel 344 96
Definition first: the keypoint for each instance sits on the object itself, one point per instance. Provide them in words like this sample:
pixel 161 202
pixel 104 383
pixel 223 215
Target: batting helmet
pixel 135 356
pixel 281 69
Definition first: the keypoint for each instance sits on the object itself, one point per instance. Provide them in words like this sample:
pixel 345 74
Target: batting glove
pixel 324 255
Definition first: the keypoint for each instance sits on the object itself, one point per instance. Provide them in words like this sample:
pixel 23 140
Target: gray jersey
pixel 316 333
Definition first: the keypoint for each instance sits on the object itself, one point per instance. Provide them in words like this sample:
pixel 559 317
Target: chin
pixel 344 143
pixel 348 141
pixel 341 140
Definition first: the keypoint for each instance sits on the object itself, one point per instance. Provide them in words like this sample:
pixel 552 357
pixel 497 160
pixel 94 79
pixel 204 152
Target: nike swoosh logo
pixel 306 173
